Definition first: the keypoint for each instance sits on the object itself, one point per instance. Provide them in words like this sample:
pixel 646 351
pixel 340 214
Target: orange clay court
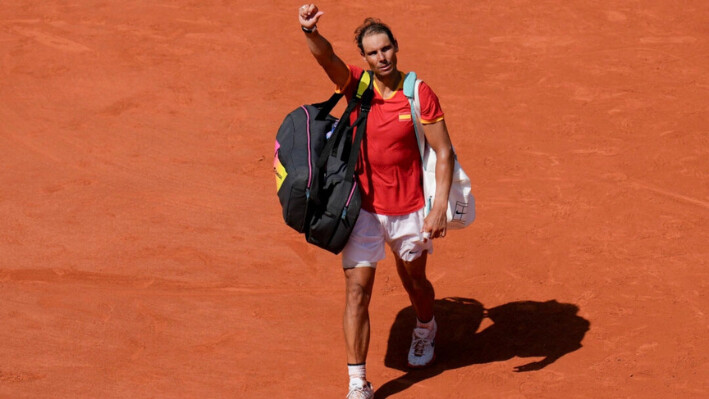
pixel 143 254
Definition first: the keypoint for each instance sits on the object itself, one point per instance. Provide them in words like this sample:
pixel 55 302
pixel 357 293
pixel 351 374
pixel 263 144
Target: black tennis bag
pixel 315 178
pixel 299 142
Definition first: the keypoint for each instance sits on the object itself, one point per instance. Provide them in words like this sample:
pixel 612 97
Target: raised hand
pixel 308 15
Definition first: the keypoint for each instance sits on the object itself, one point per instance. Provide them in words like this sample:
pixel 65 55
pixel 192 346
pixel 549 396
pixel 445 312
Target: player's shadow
pixel 519 329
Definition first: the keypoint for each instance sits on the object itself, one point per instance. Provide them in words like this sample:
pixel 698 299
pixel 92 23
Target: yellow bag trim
pixel 281 173
pixel 364 82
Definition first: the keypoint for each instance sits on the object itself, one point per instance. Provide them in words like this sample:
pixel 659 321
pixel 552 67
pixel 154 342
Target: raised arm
pixel 336 69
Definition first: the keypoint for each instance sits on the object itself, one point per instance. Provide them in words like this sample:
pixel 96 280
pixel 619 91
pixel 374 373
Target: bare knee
pixel 359 284
pixel 420 284
pixel 413 274
pixel 358 296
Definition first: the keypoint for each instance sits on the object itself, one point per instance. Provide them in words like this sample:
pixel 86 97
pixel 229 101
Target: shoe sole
pixel 412 366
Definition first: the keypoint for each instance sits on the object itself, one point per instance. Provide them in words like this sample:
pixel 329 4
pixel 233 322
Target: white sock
pixel 428 325
pixel 358 374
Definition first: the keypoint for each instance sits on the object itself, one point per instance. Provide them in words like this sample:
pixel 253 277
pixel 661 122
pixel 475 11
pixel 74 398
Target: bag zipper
pixel 349 199
pixel 310 160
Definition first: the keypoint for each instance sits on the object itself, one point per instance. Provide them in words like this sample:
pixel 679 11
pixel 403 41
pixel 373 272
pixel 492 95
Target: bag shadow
pixel 520 329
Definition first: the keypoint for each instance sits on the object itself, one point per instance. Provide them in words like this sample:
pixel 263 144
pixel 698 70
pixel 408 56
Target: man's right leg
pixel 359 284
pixel 359 260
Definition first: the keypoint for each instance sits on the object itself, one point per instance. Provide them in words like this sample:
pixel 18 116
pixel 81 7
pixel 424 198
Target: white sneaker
pixel 421 352
pixel 361 391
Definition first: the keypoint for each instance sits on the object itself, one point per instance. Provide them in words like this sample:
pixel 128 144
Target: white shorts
pixel 403 234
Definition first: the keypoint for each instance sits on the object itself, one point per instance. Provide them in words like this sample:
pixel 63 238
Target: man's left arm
pixel 437 137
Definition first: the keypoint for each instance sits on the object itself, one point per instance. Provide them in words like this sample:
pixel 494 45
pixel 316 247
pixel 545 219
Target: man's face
pixel 379 53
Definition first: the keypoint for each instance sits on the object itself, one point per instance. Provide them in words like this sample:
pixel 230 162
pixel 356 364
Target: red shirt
pixel 389 165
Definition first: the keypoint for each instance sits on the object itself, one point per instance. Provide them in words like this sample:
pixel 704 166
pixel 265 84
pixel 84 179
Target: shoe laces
pixel 359 392
pixel 421 339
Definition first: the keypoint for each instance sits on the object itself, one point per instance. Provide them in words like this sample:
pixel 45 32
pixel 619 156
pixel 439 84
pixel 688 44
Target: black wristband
pixel 306 30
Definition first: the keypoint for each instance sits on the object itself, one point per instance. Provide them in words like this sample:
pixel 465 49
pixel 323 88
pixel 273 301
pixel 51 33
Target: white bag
pixel 461 203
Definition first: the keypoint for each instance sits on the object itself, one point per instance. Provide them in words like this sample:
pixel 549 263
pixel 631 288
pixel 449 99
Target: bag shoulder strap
pixel 364 94
pixel 327 106
pixel 409 82
pixel 363 97
pixel 365 81
pixel 411 91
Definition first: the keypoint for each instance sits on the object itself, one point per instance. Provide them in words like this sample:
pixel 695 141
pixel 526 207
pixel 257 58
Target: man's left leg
pixel 420 290
pixel 422 295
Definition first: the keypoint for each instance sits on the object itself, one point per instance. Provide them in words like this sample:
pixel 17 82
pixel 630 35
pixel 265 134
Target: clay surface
pixel 143 254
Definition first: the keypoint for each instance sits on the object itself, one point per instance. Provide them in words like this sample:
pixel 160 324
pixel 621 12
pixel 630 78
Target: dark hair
pixel 372 26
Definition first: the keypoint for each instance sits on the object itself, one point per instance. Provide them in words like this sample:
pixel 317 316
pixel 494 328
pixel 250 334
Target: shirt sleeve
pixel 431 111
pixel 352 80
